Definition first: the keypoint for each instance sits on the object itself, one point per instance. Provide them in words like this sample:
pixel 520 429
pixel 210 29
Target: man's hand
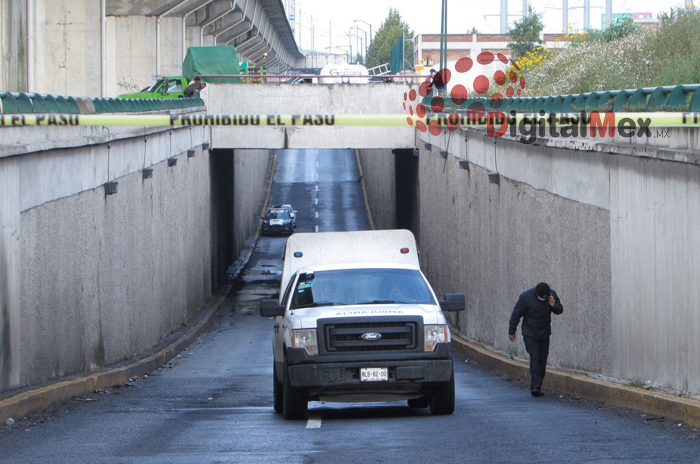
pixel 511 337
pixel 552 302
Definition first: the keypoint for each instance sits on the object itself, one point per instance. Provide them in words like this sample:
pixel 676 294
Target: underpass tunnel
pixel 406 184
pixel 222 213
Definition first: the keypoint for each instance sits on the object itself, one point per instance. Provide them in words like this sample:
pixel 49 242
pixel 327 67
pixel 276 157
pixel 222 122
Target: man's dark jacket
pixel 536 314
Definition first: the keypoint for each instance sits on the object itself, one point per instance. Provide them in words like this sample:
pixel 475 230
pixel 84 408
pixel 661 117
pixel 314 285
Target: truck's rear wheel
pixel 277 389
pixel 294 404
pixel 443 401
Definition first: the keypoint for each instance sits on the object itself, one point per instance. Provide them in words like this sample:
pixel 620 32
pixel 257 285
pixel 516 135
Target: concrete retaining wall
pixel 378 172
pixel 611 225
pixel 89 279
pixel 250 171
pixel 104 278
pixel 494 241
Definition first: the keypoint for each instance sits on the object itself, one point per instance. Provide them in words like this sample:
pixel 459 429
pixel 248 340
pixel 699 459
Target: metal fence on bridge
pixel 34 103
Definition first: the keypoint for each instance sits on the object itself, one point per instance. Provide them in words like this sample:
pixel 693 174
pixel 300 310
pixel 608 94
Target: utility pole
pixel 443 36
pixel 504 16
pixel 524 9
pixel 330 36
pixel 586 15
pixel 565 16
pixel 608 12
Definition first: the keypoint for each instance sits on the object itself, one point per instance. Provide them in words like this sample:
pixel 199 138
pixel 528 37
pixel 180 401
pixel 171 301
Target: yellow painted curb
pixel 650 402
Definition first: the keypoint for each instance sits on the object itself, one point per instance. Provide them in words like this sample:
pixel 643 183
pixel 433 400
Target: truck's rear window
pixel 361 286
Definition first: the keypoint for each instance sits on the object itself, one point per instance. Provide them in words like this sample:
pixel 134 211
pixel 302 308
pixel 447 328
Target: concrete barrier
pixel 591 217
pixel 112 239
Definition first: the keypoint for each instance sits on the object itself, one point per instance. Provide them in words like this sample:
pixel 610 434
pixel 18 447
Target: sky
pixel 423 16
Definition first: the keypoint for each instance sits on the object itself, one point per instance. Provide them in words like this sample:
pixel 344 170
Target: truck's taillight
pixel 404 251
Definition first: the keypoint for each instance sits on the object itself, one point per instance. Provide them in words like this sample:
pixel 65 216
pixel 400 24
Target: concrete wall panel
pixel 655 262
pixel 378 172
pixel 613 229
pixel 107 277
pixel 10 335
pixel 494 241
pixel 250 169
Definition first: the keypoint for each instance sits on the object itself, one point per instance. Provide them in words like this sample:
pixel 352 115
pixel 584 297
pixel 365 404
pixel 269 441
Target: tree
pixel 526 34
pixel 618 28
pixel 390 31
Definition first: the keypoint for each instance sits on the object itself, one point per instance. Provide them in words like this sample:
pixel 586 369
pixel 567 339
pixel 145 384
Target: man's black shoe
pixel 536 393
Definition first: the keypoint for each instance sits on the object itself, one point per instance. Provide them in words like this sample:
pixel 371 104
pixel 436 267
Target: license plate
pixel 374 374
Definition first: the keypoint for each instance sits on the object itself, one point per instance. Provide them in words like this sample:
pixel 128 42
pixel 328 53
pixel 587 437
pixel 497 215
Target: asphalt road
pixel 213 404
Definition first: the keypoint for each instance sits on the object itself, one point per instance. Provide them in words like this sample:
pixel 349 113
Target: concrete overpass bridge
pixel 110 47
pixel 113 237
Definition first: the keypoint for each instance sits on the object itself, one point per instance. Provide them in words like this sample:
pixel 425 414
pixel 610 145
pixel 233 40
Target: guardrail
pixel 34 103
pixel 289 78
pixel 666 98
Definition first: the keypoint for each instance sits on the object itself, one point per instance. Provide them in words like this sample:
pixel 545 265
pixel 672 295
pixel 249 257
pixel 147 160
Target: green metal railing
pixel 34 103
pixel 666 98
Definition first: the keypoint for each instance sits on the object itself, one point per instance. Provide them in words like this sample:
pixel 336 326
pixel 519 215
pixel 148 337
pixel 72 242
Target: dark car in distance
pixel 277 221
pixel 290 210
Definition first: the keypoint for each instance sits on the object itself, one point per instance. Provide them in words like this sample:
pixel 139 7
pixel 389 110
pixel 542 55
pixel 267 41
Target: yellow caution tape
pixel 620 121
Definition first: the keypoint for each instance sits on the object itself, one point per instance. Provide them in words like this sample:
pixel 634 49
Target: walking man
pixel 535 307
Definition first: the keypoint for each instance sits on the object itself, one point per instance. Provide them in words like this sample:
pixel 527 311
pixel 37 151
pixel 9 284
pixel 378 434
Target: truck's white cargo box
pixel 363 246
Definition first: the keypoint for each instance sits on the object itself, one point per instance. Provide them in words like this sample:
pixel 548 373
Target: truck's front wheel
pixel 443 401
pixel 294 404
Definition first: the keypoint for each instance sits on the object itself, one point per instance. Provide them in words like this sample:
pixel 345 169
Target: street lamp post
pixel 350 35
pixel 366 44
pixel 370 27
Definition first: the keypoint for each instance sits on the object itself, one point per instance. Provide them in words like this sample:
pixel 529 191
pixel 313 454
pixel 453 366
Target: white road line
pixel 316 176
pixel 316 214
pixel 316 189
pixel 316 163
pixel 315 201
pixel 315 228
pixel 314 422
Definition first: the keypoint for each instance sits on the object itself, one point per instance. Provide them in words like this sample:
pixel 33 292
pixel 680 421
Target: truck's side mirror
pixel 271 308
pixel 453 302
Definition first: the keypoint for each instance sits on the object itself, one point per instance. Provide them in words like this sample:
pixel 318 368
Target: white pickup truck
pixel 357 321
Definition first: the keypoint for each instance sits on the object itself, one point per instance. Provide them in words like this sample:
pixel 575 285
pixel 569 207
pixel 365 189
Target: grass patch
pixel 644 58
pixel 636 384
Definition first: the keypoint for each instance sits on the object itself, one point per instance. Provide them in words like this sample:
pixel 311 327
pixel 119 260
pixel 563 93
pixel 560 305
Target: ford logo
pixel 371 336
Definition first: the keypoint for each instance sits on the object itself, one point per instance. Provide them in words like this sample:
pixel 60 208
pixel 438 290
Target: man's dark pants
pixel 538 349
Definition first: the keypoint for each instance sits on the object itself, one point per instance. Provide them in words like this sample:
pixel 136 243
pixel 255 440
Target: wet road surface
pixel 213 403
